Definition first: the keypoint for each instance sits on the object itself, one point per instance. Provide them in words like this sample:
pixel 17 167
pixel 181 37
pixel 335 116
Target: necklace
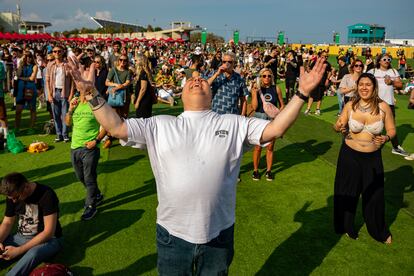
pixel 364 109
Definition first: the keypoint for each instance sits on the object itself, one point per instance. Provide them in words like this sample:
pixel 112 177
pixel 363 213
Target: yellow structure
pixel 375 49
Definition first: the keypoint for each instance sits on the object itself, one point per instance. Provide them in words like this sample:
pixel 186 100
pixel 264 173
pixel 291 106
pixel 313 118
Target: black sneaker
pixel 58 139
pixel 256 176
pixel 98 199
pixel 89 213
pixel 269 176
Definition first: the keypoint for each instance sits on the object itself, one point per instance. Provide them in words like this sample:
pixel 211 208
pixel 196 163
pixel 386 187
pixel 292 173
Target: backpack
pixel 52 270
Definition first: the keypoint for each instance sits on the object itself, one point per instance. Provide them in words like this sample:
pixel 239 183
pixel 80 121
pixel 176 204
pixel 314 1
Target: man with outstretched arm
pixel 195 213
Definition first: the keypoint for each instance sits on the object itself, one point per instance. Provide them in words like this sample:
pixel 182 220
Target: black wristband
pixel 301 96
pixel 97 141
pixel 97 102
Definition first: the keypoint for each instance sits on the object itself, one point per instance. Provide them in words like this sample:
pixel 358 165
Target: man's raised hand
pixel 309 80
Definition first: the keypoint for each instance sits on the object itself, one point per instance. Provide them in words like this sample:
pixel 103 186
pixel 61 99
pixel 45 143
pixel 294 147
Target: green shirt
pixel 85 126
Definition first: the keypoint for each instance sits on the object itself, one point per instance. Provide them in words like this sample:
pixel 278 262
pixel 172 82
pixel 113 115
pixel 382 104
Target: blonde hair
pixel 259 79
pixel 142 64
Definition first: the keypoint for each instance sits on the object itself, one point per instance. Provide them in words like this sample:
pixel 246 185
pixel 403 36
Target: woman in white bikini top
pixel 364 119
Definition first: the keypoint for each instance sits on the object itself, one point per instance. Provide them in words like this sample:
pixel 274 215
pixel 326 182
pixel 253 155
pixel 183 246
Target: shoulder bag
pixel 116 98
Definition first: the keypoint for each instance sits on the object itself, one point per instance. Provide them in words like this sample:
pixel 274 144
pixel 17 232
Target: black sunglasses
pixel 227 61
pixel 122 59
pixel 266 76
pixel 358 65
pixel 386 59
pixel 57 51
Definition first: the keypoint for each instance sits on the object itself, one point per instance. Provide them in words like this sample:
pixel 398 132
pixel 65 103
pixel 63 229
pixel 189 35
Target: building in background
pixel 179 30
pixel 366 34
pixel 11 22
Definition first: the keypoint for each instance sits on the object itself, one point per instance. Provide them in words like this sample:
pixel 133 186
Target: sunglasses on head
pixel 386 59
pixel 266 76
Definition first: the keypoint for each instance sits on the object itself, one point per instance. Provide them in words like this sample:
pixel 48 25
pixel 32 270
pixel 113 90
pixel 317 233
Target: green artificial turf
pixel 282 227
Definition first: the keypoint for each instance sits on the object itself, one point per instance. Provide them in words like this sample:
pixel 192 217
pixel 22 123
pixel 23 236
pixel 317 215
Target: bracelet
pixel 302 96
pixel 97 141
pixel 389 138
pixel 97 101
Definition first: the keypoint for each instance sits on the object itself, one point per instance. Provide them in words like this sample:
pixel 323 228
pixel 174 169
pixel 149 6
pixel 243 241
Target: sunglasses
pixel 227 61
pixel 266 76
pixel 57 51
pixel 122 59
pixel 50 59
pixel 386 59
pixel 358 65
pixel 97 61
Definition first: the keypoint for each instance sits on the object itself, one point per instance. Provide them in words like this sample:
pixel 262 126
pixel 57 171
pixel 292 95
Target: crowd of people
pixel 230 95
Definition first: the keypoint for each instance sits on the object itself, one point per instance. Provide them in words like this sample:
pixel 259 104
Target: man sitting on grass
pixel 195 213
pixel 36 207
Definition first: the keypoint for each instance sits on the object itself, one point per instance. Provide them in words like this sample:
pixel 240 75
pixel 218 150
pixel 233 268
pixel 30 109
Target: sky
pixel 302 20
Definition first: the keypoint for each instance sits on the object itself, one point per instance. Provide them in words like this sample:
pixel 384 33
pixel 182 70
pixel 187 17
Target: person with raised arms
pixel 195 213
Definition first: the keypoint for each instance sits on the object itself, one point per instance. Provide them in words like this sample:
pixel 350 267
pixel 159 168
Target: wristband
pixel 302 96
pixel 97 101
pixel 389 138
pixel 97 141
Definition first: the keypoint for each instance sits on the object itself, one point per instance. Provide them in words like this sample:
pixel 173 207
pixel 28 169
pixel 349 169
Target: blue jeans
pixel 340 100
pixel 60 107
pixel 85 162
pixel 35 255
pixel 179 257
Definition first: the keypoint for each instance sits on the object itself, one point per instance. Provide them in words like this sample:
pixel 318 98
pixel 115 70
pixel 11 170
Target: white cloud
pixel 78 20
pixel 103 15
pixel 32 17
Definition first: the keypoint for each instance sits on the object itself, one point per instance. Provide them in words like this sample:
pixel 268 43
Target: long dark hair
pixel 377 62
pixel 374 101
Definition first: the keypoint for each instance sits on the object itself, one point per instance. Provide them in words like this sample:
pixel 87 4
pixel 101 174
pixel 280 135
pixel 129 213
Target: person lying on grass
pixel 195 211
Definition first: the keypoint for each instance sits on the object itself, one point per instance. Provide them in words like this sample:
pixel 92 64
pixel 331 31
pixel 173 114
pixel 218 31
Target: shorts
pixel 165 94
pixel 3 113
pixel 317 93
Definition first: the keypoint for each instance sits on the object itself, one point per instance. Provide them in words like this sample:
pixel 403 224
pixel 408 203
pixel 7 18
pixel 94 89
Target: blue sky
pixel 301 20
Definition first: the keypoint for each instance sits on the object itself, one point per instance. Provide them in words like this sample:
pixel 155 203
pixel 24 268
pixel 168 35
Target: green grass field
pixel 283 227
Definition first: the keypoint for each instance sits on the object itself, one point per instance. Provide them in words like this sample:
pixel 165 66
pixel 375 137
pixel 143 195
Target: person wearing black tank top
pixel 271 93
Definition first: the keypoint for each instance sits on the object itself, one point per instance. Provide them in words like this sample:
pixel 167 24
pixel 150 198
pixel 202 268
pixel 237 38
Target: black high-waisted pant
pixel 360 173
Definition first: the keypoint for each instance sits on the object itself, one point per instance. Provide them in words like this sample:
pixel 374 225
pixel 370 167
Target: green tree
pixel 157 29
pixel 149 28
pixel 122 29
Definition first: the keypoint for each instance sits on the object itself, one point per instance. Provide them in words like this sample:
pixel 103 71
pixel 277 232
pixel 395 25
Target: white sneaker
pixel 400 151
pixel 307 111
pixel 410 157
pixel 318 112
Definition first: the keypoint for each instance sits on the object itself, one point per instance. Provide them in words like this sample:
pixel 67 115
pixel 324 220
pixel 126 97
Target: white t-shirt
pixel 195 158
pixel 347 82
pixel 60 78
pixel 385 91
